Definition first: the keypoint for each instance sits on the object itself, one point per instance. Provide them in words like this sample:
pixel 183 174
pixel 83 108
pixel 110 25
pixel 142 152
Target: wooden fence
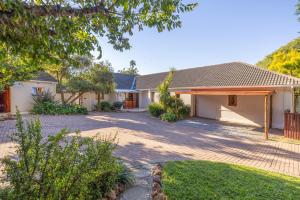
pixel 292 125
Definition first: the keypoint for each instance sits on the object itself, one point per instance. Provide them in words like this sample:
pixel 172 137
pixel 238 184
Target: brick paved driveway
pixel 142 139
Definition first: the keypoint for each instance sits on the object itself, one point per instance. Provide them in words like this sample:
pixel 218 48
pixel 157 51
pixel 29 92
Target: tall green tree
pixel 102 79
pixel 286 63
pixel 33 32
pixel 284 60
pixel 132 69
pixel 70 75
pixel 163 89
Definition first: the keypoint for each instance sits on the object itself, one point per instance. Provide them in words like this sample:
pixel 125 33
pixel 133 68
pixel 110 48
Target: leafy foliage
pixel 117 105
pixel 156 109
pixel 101 79
pixel 43 97
pixel 70 74
pixel 169 106
pixel 54 108
pixel 45 104
pixel 284 60
pixel 104 106
pixel 132 69
pixel 163 89
pixel 60 167
pixel 38 32
pixel 176 105
pixel 169 117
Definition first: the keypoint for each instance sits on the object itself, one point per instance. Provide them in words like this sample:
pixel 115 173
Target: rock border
pixel 157 193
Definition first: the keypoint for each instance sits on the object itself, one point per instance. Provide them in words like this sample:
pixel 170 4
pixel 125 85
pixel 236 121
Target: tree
pixel 163 89
pixel 34 32
pixel 286 63
pixel 132 69
pixel 102 79
pixel 70 76
pixel 284 60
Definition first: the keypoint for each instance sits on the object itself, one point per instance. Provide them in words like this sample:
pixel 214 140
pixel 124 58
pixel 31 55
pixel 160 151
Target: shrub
pixel 53 108
pixel 184 111
pixel 104 106
pixel 176 106
pixel 117 105
pixel 169 117
pixel 61 166
pixel 155 109
pixel 43 97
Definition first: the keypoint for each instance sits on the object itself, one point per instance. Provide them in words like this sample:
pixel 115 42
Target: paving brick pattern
pixel 142 139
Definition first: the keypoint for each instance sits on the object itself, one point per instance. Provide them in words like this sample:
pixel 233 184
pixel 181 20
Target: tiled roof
pixel 124 81
pixel 44 76
pixel 235 74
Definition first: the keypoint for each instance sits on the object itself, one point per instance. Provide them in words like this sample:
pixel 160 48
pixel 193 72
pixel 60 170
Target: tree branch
pixel 58 11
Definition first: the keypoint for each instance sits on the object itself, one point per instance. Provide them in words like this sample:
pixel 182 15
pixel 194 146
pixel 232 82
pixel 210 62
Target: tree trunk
pixel 62 96
pixel 79 95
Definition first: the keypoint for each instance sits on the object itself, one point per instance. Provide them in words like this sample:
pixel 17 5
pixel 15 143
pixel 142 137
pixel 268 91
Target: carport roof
pixel 234 74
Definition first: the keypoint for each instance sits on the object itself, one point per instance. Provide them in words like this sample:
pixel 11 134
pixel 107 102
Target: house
pixel 233 92
pixel 125 91
pixel 20 94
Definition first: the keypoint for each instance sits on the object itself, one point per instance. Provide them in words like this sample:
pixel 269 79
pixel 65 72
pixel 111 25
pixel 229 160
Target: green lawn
pixel 211 180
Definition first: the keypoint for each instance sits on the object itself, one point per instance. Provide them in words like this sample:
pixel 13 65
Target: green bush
pixel 184 111
pixel 155 109
pixel 44 97
pixel 169 117
pixel 61 166
pixel 53 108
pixel 176 106
pixel 117 105
pixel 103 106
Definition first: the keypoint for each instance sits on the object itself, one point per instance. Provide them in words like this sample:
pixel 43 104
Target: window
pixel 152 96
pixel 232 100
pixel 37 91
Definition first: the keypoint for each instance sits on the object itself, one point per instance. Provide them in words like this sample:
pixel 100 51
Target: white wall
pixel 90 100
pixel 249 109
pixel 282 101
pixel 144 99
pixel 21 94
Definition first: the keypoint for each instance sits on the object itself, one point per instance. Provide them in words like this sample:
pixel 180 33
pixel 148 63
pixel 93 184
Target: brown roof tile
pixel 235 74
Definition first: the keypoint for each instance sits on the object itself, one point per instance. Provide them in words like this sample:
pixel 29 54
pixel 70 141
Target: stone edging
pixel 157 193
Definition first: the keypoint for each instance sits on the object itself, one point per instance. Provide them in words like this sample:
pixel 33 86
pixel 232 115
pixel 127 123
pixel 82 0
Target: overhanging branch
pixel 58 11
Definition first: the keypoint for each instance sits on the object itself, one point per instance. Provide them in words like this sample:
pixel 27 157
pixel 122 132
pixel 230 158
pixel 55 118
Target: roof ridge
pixel 204 66
pixel 276 73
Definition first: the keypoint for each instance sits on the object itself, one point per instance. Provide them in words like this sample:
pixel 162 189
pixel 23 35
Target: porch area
pixel 238 105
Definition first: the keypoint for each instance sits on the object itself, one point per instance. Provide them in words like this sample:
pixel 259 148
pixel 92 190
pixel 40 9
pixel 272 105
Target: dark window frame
pixel 232 100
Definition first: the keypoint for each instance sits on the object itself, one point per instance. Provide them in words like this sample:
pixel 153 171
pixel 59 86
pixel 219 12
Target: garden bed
pixel 211 180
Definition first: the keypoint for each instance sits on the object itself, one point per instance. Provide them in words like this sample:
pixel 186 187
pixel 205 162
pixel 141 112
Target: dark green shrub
pixel 53 108
pixel 103 106
pixel 176 106
pixel 155 109
pixel 169 117
pixel 184 111
pixel 44 97
pixel 117 105
pixel 125 176
pixel 59 167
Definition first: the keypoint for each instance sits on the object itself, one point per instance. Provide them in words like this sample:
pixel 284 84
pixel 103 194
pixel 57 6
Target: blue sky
pixel 217 31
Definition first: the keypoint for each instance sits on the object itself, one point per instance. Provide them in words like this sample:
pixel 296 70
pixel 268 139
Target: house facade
pixel 125 91
pixel 233 92
pixel 20 94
